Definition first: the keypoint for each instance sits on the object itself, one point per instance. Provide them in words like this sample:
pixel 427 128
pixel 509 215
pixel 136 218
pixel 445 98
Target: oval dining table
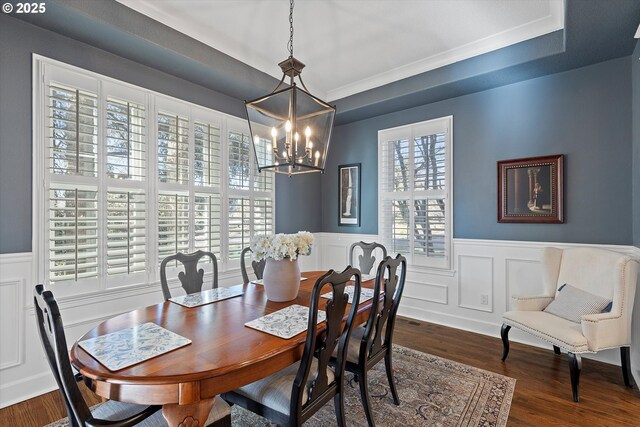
pixel 224 353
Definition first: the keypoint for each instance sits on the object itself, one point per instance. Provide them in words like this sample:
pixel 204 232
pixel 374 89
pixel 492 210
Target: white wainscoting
pixel 486 274
pixel 24 372
pixel 484 271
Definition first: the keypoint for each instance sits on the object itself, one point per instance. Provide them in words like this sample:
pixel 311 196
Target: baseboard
pixel 27 388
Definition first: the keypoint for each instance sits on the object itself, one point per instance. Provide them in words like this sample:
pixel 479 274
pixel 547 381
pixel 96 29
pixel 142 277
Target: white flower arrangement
pixel 282 246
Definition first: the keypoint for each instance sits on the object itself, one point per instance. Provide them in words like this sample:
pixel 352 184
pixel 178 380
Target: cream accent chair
pixel 600 272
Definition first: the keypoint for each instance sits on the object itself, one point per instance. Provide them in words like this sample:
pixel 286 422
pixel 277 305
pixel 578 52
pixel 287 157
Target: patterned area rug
pixel 433 392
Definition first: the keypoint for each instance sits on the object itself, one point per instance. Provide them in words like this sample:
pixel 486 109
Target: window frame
pixel 385 172
pixel 47 70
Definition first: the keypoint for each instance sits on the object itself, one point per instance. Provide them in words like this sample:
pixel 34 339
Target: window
pixel 415 191
pixel 128 177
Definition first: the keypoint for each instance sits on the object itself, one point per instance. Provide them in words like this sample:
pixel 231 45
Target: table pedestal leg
pixel 191 415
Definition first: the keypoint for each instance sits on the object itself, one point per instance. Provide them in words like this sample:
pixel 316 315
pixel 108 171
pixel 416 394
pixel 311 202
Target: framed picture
pixel 530 190
pixel 349 189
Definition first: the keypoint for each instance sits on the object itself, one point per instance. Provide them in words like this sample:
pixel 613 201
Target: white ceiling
pixel 353 45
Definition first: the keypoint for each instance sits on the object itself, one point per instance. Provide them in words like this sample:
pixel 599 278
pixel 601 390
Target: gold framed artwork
pixel 530 190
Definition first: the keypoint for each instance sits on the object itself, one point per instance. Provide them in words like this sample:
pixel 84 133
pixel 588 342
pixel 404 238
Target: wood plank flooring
pixel 542 396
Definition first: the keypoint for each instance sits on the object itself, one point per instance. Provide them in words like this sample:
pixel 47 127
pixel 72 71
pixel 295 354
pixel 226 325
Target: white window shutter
pixel 414 183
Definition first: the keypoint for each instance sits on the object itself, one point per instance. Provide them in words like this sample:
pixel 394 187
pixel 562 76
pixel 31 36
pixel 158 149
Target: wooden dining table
pixel 224 353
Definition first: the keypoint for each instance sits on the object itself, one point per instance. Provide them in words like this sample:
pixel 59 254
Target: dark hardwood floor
pixel 542 396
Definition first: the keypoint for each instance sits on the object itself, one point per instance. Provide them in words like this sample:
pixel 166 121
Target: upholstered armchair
pixel 586 306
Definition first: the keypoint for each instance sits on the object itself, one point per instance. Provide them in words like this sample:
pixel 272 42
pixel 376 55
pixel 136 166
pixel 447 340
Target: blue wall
pixel 18 40
pixel 298 203
pixel 635 65
pixel 584 114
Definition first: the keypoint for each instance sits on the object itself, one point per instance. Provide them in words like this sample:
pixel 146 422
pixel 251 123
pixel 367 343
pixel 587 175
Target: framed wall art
pixel 349 193
pixel 530 190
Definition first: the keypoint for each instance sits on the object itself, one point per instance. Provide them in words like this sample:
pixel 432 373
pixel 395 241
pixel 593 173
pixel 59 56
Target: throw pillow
pixel 572 303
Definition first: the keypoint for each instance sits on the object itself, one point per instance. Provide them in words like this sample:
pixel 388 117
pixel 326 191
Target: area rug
pixel 433 392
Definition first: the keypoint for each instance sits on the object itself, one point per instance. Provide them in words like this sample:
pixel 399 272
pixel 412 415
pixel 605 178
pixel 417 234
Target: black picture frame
pixel 349 195
pixel 530 190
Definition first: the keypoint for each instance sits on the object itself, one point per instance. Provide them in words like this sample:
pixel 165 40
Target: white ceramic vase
pixel 281 279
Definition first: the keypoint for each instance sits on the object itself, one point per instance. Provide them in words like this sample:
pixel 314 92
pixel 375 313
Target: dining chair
pixel 111 412
pixel 191 278
pixel 258 266
pixel 373 341
pixel 294 394
pixel 366 260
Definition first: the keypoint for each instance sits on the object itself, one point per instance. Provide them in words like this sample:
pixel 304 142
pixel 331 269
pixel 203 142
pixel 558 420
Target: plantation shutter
pixel 124 176
pixel 239 222
pixel 239 160
pixel 262 216
pixel 73 233
pixel 72 197
pixel 125 140
pixel 173 148
pixel 208 216
pixel 207 155
pixel 73 131
pixel 126 232
pixel 173 224
pixel 414 191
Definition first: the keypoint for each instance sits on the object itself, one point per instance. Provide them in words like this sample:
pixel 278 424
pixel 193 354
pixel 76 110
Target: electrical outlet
pixel 484 299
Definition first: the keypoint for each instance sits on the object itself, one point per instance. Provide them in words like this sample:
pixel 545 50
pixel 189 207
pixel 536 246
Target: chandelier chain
pixel 290 44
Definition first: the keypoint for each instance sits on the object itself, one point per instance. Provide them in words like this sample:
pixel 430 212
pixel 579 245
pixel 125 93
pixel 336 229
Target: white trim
pixel 627 249
pixel 18 284
pixel 478 307
pixel 550 23
pixel 507 264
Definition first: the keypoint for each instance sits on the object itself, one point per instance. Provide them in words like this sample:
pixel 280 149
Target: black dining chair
pixel 110 413
pixel 366 260
pixel 258 266
pixel 374 341
pixel 294 394
pixel 191 278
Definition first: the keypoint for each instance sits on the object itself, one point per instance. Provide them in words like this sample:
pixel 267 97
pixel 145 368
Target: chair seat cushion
pixel 113 410
pixel 353 349
pixel 556 330
pixel 274 391
pixel 572 303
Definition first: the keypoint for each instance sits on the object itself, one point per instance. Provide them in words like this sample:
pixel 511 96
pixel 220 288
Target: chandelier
pixel 290 128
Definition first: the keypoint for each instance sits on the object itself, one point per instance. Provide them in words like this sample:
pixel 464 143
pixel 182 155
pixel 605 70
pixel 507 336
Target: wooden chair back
pixel 366 260
pixel 54 343
pixel 383 315
pixel 321 348
pixel 258 266
pixel 191 278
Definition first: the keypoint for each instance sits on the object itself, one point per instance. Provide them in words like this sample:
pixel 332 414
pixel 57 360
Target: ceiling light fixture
pixel 290 128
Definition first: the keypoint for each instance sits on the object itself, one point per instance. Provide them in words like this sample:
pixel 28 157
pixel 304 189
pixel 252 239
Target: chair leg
pixel 338 403
pixel 388 364
pixel 575 366
pixel 504 333
pixel 626 366
pixel 364 396
pixel 556 350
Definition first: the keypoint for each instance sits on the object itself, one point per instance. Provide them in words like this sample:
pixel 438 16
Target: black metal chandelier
pixel 290 128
